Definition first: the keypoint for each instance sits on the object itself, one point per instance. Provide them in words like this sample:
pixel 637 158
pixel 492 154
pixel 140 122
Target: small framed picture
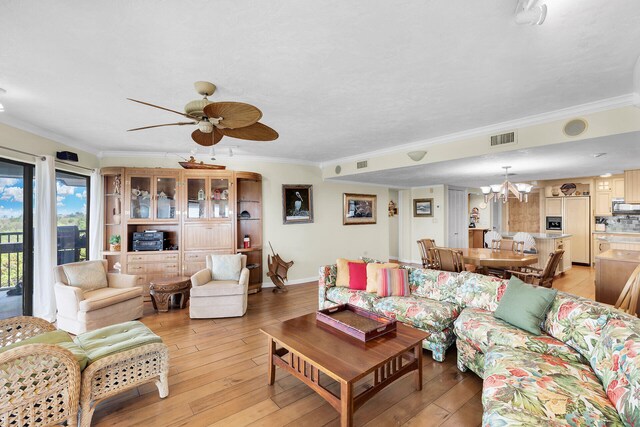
pixel 422 207
pixel 359 209
pixel 297 204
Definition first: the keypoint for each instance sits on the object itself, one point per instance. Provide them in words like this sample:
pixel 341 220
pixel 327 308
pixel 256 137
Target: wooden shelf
pixel 244 250
pixel 248 201
pixel 248 219
pixel 113 195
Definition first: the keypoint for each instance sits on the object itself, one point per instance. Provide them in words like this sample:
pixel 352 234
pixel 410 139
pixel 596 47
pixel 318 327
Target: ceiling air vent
pixel 362 164
pixel 503 138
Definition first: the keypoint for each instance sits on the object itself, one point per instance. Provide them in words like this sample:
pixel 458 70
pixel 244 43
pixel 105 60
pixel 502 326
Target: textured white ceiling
pixel 334 78
pixel 558 161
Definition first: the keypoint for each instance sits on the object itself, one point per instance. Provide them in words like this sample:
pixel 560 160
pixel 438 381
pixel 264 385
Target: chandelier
pixel 501 191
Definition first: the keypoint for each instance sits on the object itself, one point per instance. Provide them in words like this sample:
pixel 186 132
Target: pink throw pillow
pixel 357 276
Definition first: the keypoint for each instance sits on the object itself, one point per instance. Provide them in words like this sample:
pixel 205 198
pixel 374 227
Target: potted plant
pixel 114 243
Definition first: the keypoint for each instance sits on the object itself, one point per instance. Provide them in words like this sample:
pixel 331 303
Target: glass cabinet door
pixel 140 197
pixel 166 197
pixel 196 198
pixel 219 198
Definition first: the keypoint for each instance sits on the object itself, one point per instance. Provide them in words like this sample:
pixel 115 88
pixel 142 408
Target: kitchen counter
pixel 539 236
pixel 625 233
pixel 619 239
pixel 620 255
pixel 613 269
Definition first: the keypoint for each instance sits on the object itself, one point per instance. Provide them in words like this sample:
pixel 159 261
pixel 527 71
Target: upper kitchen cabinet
pixel 603 203
pixel 618 188
pixel 151 196
pixel 632 186
pixel 553 206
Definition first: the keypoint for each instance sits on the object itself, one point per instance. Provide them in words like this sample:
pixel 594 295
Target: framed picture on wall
pixel 422 207
pixel 297 204
pixel 359 209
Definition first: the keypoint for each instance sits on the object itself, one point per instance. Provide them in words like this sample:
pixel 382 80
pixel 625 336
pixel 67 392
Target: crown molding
pixel 221 155
pixel 54 137
pixel 369 184
pixel 564 113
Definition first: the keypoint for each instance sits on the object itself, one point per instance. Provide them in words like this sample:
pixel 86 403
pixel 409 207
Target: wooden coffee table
pixel 308 350
pixel 162 289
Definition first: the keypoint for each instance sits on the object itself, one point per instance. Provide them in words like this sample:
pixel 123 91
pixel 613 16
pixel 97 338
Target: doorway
pixel 16 238
pixel 457 218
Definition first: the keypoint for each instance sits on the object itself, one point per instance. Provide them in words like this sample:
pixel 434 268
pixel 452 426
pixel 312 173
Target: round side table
pixel 162 289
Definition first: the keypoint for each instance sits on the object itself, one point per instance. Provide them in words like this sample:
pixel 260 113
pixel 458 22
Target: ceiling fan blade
pixel 254 132
pixel 162 108
pixel 167 124
pixel 234 114
pixel 206 139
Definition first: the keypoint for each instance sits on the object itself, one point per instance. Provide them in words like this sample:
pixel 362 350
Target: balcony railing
pixel 72 247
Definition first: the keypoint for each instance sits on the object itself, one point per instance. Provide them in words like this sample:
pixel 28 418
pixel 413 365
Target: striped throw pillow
pixel 393 282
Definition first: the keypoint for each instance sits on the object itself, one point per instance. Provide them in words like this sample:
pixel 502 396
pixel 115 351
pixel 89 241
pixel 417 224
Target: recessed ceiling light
pixel 605 175
pixel 596 155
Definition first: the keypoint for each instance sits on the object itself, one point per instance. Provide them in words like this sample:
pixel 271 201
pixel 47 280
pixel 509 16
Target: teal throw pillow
pixel 525 306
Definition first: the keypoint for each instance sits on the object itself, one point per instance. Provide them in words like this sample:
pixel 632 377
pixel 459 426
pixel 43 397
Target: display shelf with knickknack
pixel 112 213
pixel 195 210
pixel 249 223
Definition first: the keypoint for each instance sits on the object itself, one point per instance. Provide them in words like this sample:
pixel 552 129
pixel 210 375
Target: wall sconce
pixel 416 156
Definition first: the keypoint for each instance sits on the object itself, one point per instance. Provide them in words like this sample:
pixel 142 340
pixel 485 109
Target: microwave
pixel 554 223
pixel 619 207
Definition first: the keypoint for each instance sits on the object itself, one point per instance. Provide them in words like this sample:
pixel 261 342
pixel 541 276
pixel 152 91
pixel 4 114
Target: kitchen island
pixel 547 243
pixel 613 269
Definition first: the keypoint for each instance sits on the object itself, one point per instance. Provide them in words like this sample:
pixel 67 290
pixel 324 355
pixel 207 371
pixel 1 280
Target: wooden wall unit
pixel 196 209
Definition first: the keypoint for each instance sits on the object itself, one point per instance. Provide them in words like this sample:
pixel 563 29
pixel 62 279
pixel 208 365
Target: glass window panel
pixel 11 239
pixel 72 213
pixel 166 198
pixel 219 198
pixel 140 198
pixel 196 198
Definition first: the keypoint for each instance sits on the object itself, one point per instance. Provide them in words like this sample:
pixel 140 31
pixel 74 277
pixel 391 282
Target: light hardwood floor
pixel 218 376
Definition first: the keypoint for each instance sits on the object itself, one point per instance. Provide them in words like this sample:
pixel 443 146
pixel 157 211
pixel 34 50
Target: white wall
pixel 308 245
pixel 394 230
pixel 412 229
pixel 25 141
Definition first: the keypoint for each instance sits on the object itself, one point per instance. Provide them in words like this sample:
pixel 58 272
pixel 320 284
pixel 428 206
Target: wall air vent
pixel 361 165
pixel 504 138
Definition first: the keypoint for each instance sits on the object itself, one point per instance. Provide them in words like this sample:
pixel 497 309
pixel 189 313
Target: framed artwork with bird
pixel 297 204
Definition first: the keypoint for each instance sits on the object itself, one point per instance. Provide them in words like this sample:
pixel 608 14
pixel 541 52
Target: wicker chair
pixel 425 246
pixel 540 277
pixel 104 378
pixel 40 383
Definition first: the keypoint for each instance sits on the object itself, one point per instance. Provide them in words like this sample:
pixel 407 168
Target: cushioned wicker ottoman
pixel 121 357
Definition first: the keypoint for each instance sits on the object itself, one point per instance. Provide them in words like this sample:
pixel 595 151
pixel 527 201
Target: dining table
pixel 496 258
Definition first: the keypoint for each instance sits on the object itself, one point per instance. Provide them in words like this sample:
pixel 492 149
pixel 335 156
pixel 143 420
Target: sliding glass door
pixel 72 208
pixel 16 238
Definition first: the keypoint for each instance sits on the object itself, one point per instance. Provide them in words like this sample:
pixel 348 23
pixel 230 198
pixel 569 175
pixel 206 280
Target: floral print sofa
pixel 436 300
pixel 584 370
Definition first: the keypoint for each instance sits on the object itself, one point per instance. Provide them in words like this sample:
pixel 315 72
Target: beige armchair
pixel 220 290
pixel 89 298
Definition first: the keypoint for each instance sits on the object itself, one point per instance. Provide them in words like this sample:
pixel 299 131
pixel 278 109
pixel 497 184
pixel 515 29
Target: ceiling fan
pixel 218 119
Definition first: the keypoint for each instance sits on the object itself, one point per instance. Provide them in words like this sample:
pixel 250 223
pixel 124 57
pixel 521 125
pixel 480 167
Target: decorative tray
pixel 355 321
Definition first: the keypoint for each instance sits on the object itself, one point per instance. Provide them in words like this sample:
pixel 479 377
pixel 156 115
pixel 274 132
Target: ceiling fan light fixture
pixel 416 156
pixel 205 126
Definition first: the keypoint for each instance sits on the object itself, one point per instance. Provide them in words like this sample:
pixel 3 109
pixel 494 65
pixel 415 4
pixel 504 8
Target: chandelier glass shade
pixel 501 191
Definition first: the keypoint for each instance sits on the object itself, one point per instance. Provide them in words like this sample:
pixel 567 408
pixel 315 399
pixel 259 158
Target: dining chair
pixel 526 242
pixel 448 259
pixel 540 277
pixel 492 239
pixel 426 254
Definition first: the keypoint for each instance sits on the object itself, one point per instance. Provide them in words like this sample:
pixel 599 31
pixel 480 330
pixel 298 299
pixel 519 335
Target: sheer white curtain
pixel 96 215
pixel 45 239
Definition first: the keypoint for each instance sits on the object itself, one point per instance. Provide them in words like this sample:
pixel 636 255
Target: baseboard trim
pixel 291 282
